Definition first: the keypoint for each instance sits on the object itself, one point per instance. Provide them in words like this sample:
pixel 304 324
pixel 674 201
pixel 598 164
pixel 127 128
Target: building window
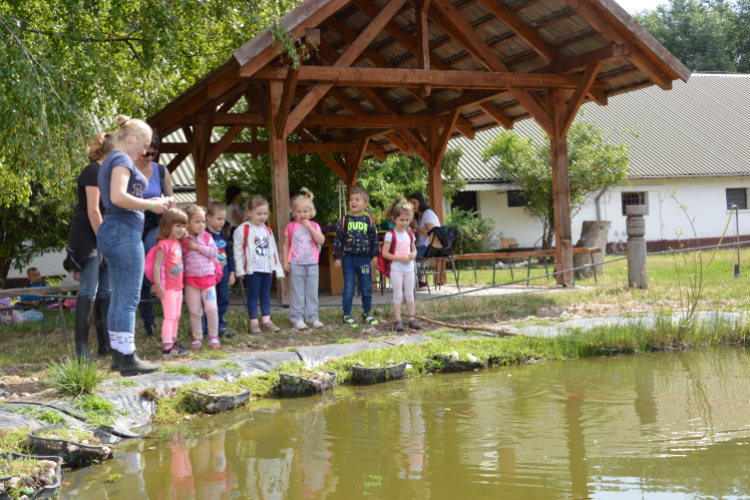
pixel 737 196
pixel 466 200
pixel 633 199
pixel 516 199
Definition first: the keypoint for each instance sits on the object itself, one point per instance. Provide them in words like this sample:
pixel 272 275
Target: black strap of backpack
pixel 162 175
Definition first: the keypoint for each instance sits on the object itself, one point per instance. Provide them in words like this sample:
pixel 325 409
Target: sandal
pixel 398 326
pixel 414 324
pixel 300 325
pixel 214 342
pixel 254 327
pixel 270 327
pixel 196 344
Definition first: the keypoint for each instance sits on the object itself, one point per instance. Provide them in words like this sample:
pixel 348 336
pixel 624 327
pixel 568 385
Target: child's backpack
pixel 148 268
pixel 385 264
pixel 217 265
pixel 244 242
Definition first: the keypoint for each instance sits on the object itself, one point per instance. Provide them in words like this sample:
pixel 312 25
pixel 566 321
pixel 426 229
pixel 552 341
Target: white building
pixel 693 140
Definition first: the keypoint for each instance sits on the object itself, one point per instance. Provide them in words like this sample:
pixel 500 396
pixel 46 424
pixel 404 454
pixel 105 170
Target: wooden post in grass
pixel 636 225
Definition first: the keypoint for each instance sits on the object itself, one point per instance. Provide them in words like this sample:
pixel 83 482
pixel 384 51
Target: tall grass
pixel 71 377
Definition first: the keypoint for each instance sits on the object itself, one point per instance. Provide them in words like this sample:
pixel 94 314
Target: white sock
pixel 113 342
pixel 126 341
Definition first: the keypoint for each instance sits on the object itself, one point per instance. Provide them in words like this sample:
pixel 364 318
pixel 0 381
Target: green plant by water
pixel 73 377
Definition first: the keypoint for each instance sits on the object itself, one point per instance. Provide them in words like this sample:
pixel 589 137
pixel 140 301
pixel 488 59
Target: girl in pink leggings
pixel 201 275
pixel 168 280
pixel 399 248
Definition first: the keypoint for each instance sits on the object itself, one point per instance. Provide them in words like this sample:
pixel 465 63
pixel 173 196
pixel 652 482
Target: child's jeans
pixel 304 284
pixel 222 302
pixel 194 297
pixel 258 289
pixel 403 286
pixel 172 305
pixel 357 266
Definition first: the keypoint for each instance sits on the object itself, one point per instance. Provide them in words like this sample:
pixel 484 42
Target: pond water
pixel 655 426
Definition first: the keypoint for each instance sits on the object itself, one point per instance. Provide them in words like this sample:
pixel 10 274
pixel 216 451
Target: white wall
pixel 705 199
pixel 49 264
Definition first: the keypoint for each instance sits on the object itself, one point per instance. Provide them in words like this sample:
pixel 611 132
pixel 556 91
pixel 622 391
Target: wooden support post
pixel 279 170
pixel 636 227
pixel 561 189
pixel 423 42
pixel 434 177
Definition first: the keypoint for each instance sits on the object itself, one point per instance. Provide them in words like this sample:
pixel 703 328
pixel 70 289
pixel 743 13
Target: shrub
pixel 74 378
pixel 477 235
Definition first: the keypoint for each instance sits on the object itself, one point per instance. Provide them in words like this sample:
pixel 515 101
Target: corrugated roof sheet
pixel 698 129
pixel 495 187
pixel 184 176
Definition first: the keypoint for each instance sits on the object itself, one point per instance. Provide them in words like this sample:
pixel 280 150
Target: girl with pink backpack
pixel 165 270
pixel 202 272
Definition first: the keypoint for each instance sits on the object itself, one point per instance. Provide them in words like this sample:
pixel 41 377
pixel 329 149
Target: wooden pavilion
pixel 394 76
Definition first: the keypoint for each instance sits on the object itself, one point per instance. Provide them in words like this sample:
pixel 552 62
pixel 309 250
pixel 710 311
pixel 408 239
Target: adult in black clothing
pixel 84 257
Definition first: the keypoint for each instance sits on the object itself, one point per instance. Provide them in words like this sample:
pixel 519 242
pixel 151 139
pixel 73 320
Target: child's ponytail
pixel 306 198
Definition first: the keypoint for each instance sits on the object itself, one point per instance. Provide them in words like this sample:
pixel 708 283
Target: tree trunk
pixel 594 234
pixel 5 264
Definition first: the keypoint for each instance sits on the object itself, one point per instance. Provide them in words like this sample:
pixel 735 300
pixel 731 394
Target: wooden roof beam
pixel 262 147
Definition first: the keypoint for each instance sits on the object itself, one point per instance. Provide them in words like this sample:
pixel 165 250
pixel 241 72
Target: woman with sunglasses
pixel 159 184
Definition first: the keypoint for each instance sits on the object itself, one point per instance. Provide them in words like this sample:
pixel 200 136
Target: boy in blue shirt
pixel 31 301
pixel 357 242
pixel 216 215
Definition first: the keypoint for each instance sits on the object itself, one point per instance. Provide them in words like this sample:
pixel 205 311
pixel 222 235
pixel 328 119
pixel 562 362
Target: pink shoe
pixel 214 342
pixel 196 344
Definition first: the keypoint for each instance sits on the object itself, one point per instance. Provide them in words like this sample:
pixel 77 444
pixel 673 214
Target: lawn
pixel 24 352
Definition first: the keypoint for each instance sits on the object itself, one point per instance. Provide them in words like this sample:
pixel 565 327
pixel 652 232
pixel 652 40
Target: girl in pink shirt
pixel 168 277
pixel 201 269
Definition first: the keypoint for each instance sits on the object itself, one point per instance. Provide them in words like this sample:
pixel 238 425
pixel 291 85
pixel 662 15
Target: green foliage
pixel 16 440
pixel 712 35
pixel 96 409
pixel 75 378
pixel 113 478
pixel 402 175
pixel 594 162
pixel 42 414
pixel 477 234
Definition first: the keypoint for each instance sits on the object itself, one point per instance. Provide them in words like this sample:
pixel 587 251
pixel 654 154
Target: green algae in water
pixel 648 425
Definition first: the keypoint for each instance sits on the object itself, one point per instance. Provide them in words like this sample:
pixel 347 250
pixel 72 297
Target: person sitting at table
pixel 424 219
pixel 32 301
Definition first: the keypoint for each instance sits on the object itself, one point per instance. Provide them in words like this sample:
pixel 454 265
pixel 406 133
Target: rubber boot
pixel 150 328
pixel 101 309
pixel 116 359
pixel 84 307
pixel 131 365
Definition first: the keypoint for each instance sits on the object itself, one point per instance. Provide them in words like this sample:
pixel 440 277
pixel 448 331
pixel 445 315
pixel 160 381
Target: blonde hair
pixel 255 201
pixel 126 126
pixel 168 220
pixel 100 147
pixel 304 197
pixel 191 210
pixel 400 207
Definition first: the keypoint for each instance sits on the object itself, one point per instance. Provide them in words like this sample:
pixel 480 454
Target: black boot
pixel 150 328
pixel 116 359
pixel 131 365
pixel 84 307
pixel 101 308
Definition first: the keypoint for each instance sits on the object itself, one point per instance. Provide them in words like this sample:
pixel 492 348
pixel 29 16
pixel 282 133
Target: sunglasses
pixel 148 155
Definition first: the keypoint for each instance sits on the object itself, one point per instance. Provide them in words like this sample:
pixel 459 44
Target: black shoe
pixel 101 310
pixel 131 365
pixel 176 350
pixel 150 328
pixel 84 307
pixel 226 334
pixel 116 359
pixel 398 326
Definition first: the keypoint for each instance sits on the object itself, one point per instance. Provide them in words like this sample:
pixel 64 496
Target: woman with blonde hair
pixel 85 259
pixel 119 237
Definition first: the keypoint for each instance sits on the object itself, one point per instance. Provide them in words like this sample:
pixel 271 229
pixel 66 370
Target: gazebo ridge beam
pixel 263 147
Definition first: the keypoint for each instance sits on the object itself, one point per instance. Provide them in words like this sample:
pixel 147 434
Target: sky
pixel 636 5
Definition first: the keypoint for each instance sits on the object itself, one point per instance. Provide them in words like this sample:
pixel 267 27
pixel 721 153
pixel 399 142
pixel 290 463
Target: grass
pixel 97 410
pixel 20 467
pixel 46 415
pixel 16 440
pixel 78 435
pixel 74 378
pixel 113 478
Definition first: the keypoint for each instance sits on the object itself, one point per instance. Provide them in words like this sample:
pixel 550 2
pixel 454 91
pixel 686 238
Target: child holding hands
pixel 300 258
pixel 399 248
pixel 215 220
pixel 256 257
pixel 168 277
pixel 202 272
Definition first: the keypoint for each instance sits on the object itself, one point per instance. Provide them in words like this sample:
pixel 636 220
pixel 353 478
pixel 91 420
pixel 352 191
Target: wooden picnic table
pixel 523 254
pixel 51 292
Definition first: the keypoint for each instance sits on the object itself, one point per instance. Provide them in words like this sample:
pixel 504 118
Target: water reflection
pixel 671 424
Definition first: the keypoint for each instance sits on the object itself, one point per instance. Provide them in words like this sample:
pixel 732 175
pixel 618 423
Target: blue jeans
pixel 222 302
pixel 123 250
pixel 145 306
pixel 258 289
pixel 94 280
pixel 420 253
pixel 357 266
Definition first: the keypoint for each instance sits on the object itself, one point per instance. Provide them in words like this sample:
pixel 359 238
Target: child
pixel 31 301
pixel 169 286
pixel 399 248
pixel 357 241
pixel 72 276
pixel 301 256
pixel 201 277
pixel 256 257
pixel 215 221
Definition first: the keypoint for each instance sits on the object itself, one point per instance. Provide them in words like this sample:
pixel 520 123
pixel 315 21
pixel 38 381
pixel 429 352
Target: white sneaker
pixel 318 324
pixel 300 325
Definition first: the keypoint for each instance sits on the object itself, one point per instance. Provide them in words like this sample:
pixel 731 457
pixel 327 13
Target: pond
pixel 666 425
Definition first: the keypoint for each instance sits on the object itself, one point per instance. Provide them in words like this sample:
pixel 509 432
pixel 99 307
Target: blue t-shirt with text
pixel 137 184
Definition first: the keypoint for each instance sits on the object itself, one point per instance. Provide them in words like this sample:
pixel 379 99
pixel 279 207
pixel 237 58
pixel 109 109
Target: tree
pixel 402 175
pixel 712 35
pixel 594 162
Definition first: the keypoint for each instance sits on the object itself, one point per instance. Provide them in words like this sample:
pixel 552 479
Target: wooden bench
pixel 45 292
pixel 494 257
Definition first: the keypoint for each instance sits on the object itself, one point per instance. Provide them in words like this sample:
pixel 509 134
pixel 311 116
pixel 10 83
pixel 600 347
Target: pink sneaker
pixel 214 342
